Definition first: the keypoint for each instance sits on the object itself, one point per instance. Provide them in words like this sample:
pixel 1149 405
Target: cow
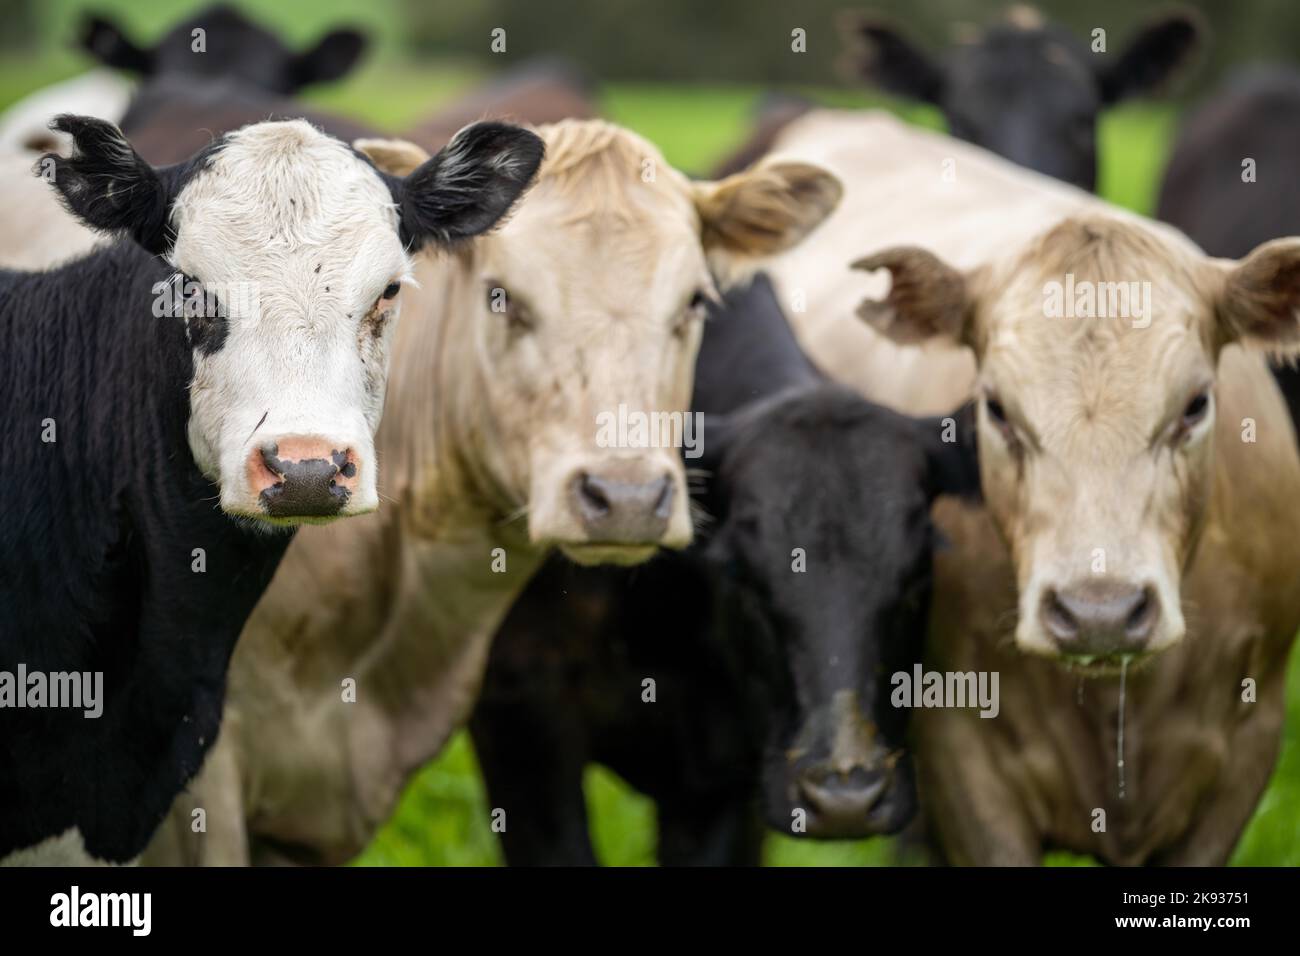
pixel 1140 477
pixel 1215 543
pixel 1024 88
pixel 174 403
pixel 217 55
pixel 1229 184
pixel 232 48
pixel 771 646
pixel 368 649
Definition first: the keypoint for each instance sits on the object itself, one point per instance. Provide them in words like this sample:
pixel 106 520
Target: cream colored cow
pixel 1141 480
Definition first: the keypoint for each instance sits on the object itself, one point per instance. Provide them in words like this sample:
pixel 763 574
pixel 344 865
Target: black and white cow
pixel 771 642
pixel 170 402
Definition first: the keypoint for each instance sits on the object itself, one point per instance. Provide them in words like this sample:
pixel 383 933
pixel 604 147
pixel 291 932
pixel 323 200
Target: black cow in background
pixel 770 642
pixel 1025 88
pixel 246 74
pixel 243 74
pixel 234 49
pixel 1231 181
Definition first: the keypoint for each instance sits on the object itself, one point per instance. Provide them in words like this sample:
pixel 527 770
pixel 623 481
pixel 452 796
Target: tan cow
pixel 1141 481
pixel 368 649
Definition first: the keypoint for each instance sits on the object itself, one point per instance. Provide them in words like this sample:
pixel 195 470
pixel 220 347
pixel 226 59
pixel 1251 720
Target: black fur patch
pixel 468 186
pixel 109 187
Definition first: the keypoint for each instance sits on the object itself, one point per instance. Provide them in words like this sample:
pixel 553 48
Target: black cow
pixel 149 438
pixel 771 682
pixel 1026 89
pixel 233 48
pixel 243 74
pixel 1231 182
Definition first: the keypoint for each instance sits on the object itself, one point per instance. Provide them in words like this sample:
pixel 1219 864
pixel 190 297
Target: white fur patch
pixel 299 220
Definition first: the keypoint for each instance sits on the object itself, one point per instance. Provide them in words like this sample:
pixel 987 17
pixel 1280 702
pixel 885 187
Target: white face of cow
pixel 297 238
pixel 1096 424
pixel 290 251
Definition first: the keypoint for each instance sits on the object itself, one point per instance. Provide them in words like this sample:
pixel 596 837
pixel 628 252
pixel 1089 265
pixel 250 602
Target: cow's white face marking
pixel 298 238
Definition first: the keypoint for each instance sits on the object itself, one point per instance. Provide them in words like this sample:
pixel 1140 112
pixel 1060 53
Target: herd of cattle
pixel 304 542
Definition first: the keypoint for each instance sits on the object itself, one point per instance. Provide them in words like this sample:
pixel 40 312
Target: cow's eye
pixel 1195 411
pixel 390 292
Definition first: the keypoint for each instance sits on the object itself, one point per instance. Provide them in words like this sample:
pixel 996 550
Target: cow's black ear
pixel 1159 50
pixel 106 184
pixel 883 56
pixel 102 39
pixel 952 453
pixel 330 59
pixel 469 185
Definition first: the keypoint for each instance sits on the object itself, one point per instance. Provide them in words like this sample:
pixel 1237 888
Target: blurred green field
pixel 443 818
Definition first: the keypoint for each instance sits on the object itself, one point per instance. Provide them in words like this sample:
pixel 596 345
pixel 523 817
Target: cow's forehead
pixel 288 179
pixel 274 189
pixel 635 260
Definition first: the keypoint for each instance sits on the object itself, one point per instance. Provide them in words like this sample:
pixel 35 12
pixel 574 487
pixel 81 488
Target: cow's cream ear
pixel 760 212
pixel 1259 299
pixel 928 299
pixel 396 157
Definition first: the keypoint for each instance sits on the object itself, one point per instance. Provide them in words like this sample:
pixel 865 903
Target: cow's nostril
pixel 1141 620
pixel 663 506
pixel 1057 618
pixel 594 497
pixel 269 454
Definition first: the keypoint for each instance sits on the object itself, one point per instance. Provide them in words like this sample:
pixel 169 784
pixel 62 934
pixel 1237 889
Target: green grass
pixel 443 817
